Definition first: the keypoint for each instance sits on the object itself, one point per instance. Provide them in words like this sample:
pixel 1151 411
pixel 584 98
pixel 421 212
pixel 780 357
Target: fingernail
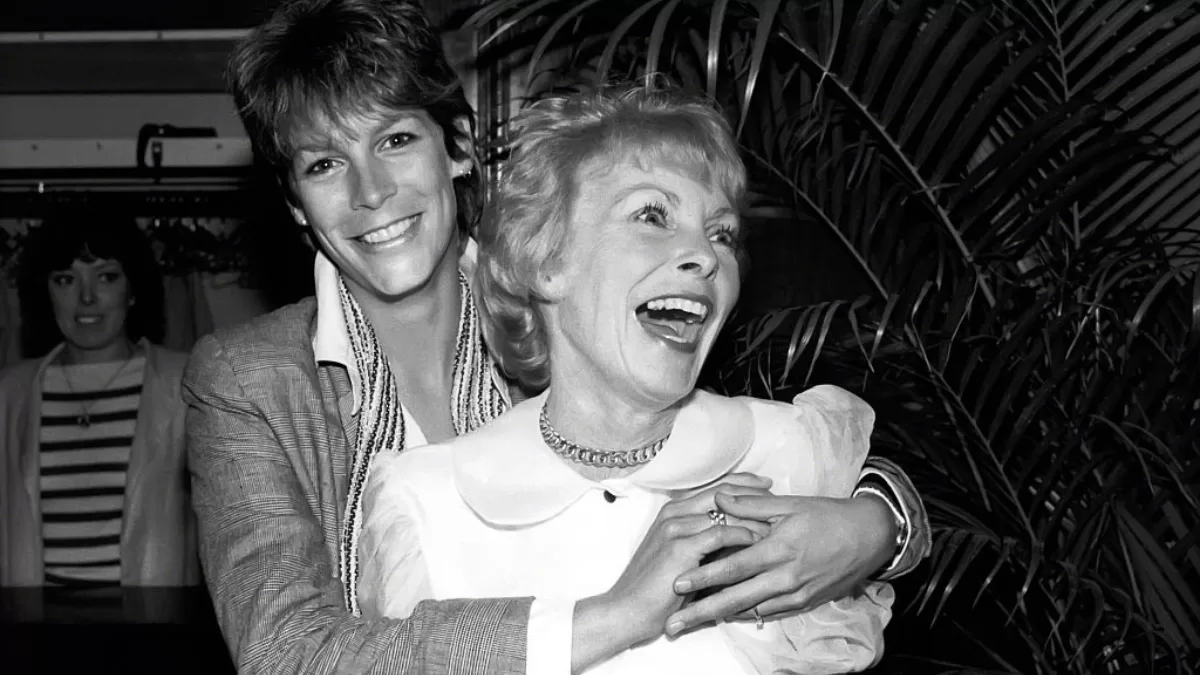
pixel 682 587
pixel 674 627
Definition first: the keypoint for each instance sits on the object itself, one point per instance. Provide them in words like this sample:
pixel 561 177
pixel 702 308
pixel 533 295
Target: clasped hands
pixel 791 554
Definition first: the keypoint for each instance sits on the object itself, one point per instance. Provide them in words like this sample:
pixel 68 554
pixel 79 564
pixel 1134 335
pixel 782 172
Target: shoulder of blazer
pixel 285 334
pixel 18 376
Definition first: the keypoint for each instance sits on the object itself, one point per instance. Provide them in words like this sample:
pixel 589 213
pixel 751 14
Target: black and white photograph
pixel 600 337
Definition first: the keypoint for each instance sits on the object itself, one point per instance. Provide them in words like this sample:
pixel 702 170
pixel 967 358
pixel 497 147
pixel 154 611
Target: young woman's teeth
pixel 690 306
pixel 390 232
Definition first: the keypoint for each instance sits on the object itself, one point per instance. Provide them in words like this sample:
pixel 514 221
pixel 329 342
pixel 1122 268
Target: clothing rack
pixel 166 170
pixel 220 192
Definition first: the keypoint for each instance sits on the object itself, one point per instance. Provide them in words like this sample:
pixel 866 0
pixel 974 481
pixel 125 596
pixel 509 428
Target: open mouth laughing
pixel 677 320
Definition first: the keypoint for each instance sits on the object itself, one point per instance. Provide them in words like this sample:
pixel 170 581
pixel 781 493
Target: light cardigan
pixel 158 543
pixel 496 512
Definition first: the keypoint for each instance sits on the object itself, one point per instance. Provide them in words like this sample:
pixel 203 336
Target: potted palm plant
pixel 982 216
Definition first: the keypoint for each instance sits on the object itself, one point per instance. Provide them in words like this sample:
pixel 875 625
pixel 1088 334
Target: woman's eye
pixel 653 214
pixel 110 277
pixel 319 167
pixel 399 140
pixel 61 279
pixel 727 236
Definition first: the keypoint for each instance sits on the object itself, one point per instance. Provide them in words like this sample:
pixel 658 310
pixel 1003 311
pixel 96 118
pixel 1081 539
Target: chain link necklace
pixel 581 454
pixel 84 418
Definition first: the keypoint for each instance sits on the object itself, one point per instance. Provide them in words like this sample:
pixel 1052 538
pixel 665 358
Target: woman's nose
pixel 374 184
pixel 699 257
pixel 87 293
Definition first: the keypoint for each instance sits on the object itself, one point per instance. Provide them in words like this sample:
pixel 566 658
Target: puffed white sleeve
pixel 816 446
pixel 393 577
pixel 842 636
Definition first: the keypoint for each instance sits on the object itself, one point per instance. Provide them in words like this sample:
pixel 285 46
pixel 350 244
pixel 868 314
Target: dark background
pixel 120 640
pixel 143 67
pixel 88 15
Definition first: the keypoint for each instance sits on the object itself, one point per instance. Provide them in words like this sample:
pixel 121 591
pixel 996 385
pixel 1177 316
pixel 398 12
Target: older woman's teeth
pixel 390 232
pixel 698 309
pixel 676 321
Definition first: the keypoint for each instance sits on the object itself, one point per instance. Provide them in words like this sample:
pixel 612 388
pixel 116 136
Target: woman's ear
pixel 551 283
pixel 288 188
pixel 464 140
pixel 298 214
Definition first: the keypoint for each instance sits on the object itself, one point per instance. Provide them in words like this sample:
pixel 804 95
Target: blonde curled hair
pixel 522 237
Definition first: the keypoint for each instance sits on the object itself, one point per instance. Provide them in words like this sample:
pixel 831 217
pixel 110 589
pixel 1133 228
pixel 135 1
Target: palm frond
pixel 1015 186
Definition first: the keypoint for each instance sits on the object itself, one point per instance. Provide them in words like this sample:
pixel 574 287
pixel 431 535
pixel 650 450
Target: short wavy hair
pixel 66 236
pixel 522 237
pixel 331 60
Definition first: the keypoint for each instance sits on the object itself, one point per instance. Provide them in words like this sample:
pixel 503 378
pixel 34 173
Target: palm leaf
pixel 1012 183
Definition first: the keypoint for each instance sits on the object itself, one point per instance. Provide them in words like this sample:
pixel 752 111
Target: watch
pixel 871 484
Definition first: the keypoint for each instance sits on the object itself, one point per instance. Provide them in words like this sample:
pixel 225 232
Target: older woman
pixel 607 273
pixel 93 485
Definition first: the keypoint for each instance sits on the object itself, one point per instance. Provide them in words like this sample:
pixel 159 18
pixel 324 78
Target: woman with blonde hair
pixel 608 269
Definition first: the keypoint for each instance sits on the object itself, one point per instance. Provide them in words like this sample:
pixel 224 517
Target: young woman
pixel 93 471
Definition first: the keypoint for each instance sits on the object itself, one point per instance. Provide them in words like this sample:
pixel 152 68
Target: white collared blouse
pixel 496 513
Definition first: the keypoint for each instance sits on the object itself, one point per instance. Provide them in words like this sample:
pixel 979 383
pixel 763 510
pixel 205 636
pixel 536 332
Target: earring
pixel 302 221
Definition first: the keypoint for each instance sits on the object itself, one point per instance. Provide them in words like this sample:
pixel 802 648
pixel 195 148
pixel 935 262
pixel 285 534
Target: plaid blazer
pixel 270 434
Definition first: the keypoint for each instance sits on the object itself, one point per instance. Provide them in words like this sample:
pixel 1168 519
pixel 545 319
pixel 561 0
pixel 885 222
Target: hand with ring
pixel 686 530
pixel 718 517
pixel 805 561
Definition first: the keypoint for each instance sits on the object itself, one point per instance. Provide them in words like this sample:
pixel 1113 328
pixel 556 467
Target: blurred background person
pixel 93 490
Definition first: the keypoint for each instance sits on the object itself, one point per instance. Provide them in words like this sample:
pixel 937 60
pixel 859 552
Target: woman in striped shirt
pixel 93 486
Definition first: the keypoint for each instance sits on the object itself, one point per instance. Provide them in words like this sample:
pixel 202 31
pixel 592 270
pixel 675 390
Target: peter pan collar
pixel 510 477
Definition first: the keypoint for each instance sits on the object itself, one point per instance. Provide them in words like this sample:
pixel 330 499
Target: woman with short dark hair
pixel 94 483
pixel 55 245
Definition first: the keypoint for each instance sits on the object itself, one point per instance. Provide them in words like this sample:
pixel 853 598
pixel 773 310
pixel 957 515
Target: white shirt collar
pixel 710 436
pixel 331 340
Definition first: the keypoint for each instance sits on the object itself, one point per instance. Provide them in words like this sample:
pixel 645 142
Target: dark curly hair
pixel 66 236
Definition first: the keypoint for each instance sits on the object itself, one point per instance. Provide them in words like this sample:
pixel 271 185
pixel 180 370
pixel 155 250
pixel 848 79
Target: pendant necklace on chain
pixel 84 419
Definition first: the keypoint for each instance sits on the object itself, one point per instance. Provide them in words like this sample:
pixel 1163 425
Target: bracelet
pixel 897 516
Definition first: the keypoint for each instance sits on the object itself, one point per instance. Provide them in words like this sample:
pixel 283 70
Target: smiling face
pixel 648 276
pixel 91 300
pixel 379 196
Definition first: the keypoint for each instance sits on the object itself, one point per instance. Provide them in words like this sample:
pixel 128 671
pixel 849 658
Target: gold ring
pixel 758 620
pixel 717 516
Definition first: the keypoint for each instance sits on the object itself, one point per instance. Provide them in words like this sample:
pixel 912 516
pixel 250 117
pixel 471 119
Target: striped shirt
pixel 83 467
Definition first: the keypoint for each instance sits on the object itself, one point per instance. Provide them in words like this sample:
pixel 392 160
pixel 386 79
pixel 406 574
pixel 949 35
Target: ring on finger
pixel 717 516
pixel 758 620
